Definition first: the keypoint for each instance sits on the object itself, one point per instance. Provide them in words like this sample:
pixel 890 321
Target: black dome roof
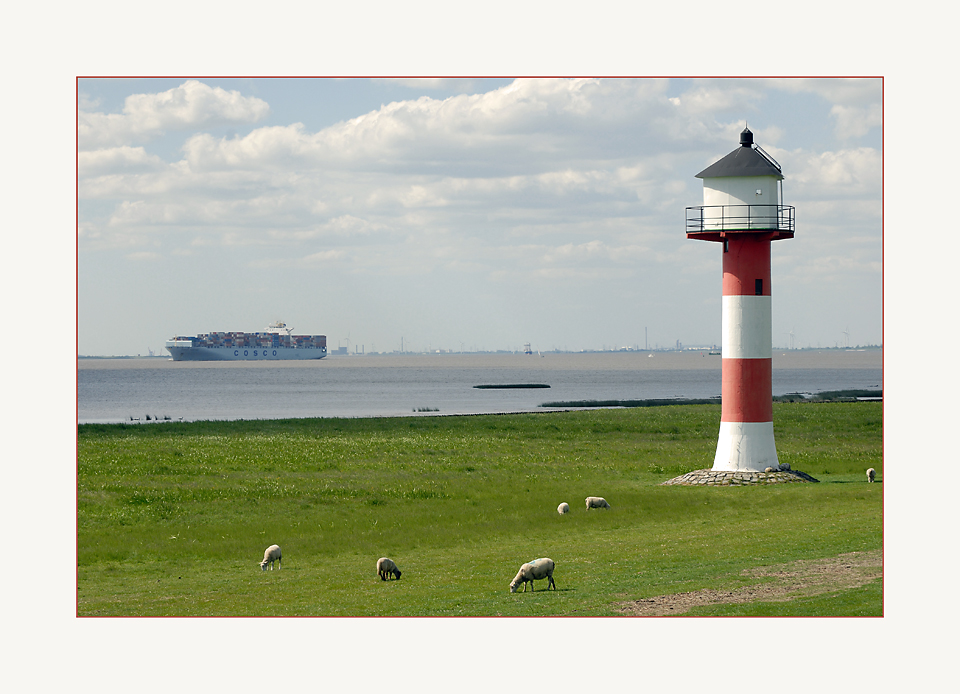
pixel 743 161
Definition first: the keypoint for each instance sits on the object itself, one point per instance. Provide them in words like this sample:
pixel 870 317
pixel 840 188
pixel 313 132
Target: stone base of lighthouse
pixel 746 446
pixel 714 478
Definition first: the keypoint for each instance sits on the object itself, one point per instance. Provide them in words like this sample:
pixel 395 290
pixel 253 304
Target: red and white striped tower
pixel 741 209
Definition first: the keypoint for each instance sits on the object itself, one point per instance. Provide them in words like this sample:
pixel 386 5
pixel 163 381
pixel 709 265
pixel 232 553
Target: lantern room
pixel 742 192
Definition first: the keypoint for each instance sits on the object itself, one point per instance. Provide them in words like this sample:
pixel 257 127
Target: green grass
pixel 173 518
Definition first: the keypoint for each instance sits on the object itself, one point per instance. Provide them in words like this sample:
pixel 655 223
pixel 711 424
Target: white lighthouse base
pixel 746 446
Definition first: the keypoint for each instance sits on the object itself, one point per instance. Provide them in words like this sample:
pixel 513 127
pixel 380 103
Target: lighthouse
pixel 742 211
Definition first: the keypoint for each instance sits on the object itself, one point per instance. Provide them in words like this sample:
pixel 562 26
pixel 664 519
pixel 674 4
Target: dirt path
pixel 795 580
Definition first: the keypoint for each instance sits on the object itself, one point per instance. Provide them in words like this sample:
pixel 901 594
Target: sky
pixel 463 214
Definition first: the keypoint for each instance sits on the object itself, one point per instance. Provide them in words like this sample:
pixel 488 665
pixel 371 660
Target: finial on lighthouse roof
pixel 746 160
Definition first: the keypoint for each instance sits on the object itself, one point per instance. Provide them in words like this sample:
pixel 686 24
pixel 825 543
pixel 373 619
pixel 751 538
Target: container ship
pixel 275 344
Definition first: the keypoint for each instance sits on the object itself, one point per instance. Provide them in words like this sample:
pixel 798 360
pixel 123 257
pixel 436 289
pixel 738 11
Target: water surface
pixel 114 390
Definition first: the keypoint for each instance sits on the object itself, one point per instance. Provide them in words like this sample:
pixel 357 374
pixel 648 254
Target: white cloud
pixel 85 102
pixel 852 173
pixel 343 227
pixel 856 104
pixel 713 96
pixel 552 120
pixel 116 160
pixel 325 256
pixel 289 184
pixel 861 92
pixel 276 145
pixel 329 257
pixel 855 121
pixel 191 105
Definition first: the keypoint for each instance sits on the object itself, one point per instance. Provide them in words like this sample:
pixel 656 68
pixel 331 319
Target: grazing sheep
pixel 270 555
pixel 596 502
pixel 871 474
pixel 531 571
pixel 386 566
pixel 563 508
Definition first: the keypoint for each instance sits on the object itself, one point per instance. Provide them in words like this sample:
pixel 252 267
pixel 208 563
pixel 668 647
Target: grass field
pixel 173 518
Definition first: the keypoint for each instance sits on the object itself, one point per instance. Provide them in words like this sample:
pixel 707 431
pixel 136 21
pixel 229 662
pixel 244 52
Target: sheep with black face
pixel 386 567
pixel 596 502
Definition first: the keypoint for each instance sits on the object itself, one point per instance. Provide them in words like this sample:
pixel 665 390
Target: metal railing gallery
pixel 705 218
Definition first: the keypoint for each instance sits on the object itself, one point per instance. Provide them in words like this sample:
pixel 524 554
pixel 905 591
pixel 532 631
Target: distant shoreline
pixel 165 357
pixel 830 396
pixel 711 351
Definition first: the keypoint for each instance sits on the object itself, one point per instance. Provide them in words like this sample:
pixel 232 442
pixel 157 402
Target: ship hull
pixel 246 353
pixel 276 344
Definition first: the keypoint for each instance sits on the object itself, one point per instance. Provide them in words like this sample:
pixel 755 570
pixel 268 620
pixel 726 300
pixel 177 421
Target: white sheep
pixel 871 474
pixel 563 508
pixel 271 554
pixel 531 571
pixel 596 502
pixel 386 566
